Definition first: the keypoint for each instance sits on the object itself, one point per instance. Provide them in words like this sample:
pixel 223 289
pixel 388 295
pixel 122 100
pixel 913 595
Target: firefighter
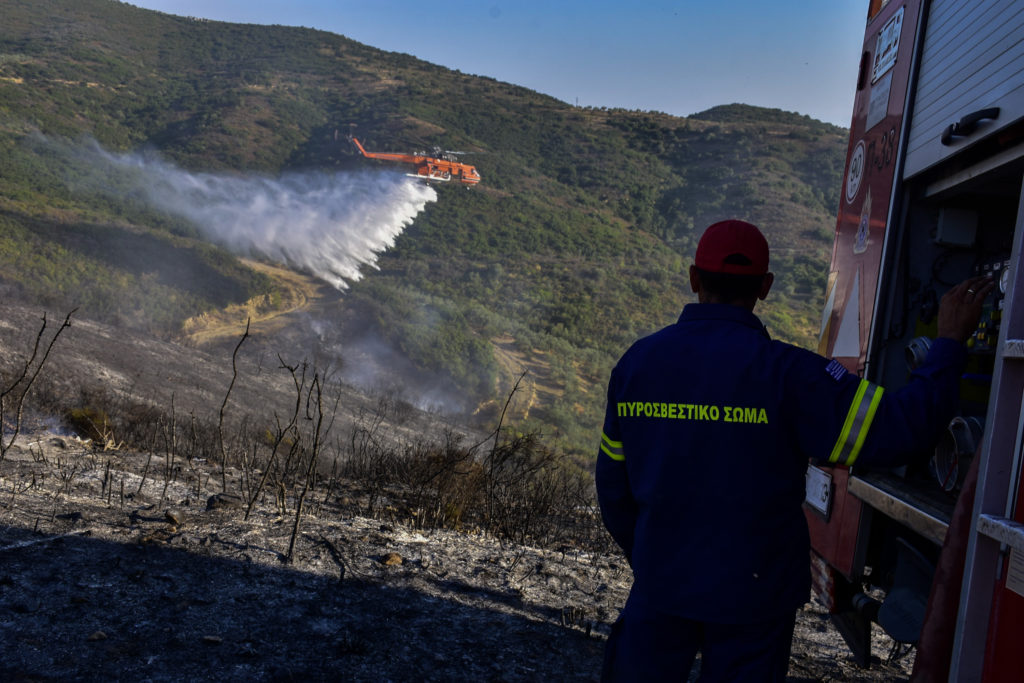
pixel 708 431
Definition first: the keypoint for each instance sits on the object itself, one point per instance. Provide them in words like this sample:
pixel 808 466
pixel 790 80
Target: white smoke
pixel 329 224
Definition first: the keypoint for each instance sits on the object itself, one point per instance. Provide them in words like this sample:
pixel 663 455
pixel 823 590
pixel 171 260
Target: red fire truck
pixel 933 554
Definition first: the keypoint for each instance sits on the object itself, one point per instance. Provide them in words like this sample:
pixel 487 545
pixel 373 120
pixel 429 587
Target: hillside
pixel 575 243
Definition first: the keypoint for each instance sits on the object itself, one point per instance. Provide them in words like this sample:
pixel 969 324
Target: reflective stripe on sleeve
pixel 613 449
pixel 858 422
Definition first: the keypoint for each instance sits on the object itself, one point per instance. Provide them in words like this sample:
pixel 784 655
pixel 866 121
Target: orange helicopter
pixel 443 166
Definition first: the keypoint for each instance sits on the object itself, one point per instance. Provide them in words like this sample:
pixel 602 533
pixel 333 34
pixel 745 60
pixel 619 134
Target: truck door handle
pixel 967 124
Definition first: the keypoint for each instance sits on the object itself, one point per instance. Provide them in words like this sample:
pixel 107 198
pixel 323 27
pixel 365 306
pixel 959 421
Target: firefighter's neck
pixel 706 297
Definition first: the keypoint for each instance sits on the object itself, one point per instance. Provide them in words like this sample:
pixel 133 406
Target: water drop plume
pixel 329 224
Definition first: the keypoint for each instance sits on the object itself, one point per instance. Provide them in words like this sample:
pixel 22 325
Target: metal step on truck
pixel 932 553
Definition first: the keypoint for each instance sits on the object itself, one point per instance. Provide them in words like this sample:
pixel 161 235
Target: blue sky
pixel 678 57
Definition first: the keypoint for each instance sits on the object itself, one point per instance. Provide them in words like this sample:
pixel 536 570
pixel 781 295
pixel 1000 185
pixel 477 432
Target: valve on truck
pixel 955 450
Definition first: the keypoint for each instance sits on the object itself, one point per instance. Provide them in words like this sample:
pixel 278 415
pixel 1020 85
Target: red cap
pixel 734 247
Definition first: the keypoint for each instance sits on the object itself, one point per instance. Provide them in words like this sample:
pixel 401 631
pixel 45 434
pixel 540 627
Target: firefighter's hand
pixel 960 308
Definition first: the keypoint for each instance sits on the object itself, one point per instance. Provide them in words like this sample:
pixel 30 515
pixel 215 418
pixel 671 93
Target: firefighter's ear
pixel 766 285
pixel 694 279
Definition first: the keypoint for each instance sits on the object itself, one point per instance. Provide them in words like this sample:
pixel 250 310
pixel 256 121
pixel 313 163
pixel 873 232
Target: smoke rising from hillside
pixel 330 224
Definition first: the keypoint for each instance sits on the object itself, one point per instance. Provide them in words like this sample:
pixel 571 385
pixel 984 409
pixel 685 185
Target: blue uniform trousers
pixel 650 646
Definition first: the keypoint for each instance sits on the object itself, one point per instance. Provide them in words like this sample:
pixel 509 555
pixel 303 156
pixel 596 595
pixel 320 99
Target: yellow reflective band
pixel 876 398
pixel 851 414
pixel 613 449
pixel 858 422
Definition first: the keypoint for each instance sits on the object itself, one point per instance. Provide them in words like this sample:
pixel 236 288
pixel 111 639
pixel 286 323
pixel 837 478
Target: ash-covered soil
pixel 107 581
pixel 157 585
pixel 116 566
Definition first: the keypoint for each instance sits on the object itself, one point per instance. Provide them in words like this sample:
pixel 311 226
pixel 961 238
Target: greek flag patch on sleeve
pixel 836 369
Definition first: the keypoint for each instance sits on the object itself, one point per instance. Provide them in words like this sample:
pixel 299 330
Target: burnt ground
pixel 113 582
pixel 115 566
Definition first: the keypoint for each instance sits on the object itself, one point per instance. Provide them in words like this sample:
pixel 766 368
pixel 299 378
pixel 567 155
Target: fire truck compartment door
pixel 889 495
pixel 975 77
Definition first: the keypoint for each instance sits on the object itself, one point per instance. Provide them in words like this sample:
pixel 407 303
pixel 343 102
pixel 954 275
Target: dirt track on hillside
pixel 266 315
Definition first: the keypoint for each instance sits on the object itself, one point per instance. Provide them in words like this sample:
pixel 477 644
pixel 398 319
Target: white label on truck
pixel 1015 573
pixel 878 106
pixel 887 46
pixel 818 489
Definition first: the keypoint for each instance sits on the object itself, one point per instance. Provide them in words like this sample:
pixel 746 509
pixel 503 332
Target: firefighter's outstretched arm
pixel 894 427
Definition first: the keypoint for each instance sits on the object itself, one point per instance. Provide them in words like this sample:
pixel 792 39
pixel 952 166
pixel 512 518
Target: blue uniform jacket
pixel 707 435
